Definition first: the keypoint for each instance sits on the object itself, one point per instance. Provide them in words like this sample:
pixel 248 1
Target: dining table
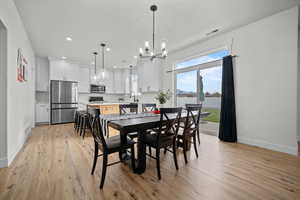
pixel 140 123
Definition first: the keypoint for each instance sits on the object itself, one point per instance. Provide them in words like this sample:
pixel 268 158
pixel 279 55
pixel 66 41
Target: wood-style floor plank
pixel 55 163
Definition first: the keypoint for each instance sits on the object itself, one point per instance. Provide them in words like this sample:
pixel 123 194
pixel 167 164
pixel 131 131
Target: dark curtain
pixel 227 129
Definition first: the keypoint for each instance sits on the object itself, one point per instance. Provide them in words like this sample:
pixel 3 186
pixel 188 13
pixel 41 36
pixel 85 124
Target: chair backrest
pixel 192 120
pixel 169 122
pixel 148 107
pixel 128 108
pixel 93 113
pixel 97 133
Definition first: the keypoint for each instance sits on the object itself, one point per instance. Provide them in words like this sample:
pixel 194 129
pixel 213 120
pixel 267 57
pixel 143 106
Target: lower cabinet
pixel 42 113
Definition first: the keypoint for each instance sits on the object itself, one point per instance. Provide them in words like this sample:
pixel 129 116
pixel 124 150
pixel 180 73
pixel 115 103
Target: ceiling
pixel 125 25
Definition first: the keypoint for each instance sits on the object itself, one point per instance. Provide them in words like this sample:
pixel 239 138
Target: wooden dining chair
pixel 148 107
pixel 129 109
pixel 165 136
pixel 93 114
pixel 189 131
pixel 108 146
pixel 196 105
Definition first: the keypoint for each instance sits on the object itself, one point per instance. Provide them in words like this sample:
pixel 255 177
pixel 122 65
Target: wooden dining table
pixel 139 123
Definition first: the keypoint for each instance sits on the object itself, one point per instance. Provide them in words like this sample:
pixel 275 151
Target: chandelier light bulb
pixel 147 45
pixel 141 51
pixel 163 46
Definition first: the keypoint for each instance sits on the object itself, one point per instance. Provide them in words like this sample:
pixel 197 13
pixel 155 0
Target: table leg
pixel 141 160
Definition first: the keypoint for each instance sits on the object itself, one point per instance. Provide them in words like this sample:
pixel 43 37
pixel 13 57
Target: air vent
pixel 212 32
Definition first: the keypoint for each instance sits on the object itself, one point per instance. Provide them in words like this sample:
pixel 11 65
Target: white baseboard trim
pixel 3 162
pixel 267 145
pixel 12 156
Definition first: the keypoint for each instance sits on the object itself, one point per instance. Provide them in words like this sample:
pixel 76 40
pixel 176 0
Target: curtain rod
pixel 233 56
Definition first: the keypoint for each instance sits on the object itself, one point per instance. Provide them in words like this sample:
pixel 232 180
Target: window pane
pixel 203 59
pixel 186 88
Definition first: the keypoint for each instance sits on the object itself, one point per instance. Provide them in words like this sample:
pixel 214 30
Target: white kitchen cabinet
pixel 119 87
pixel 149 76
pixel 42 113
pixel 42 74
pixel 83 80
pixel 63 70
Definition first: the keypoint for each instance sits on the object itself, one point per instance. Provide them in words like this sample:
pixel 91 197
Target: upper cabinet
pixel 65 71
pixel 42 74
pixel 84 80
pixel 149 75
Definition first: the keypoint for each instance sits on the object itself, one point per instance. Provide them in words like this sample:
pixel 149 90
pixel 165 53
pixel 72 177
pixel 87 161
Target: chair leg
pixel 103 170
pixel 165 150
pixel 158 163
pixel 198 135
pixel 150 152
pixel 184 150
pixel 84 127
pixel 174 154
pixel 95 157
pixel 195 145
pixel 81 126
pixel 133 158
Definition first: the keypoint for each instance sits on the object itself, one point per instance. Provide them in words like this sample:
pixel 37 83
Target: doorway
pixel 3 96
pixel 199 80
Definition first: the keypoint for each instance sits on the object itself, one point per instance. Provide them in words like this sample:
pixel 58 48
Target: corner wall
pixel 265 78
pixel 3 96
pixel 20 96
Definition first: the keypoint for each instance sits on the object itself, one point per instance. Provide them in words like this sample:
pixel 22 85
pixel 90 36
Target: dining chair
pixel 93 114
pixel 165 136
pixel 196 105
pixel 108 146
pixel 148 107
pixel 190 128
pixel 129 109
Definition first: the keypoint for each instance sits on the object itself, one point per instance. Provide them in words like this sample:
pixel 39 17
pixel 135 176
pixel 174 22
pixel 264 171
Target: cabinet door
pixel 119 81
pixel 84 80
pixel 42 113
pixel 42 74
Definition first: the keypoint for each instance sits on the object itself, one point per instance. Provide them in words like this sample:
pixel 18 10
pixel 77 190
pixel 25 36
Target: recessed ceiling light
pixel 68 38
pixel 107 49
pixel 64 57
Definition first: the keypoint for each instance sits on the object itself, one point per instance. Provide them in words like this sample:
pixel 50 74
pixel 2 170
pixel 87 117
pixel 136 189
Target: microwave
pixel 99 89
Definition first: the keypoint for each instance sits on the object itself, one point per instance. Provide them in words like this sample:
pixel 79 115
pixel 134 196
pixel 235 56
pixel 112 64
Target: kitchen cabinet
pixel 62 70
pixel 42 113
pixel 42 74
pixel 149 76
pixel 83 80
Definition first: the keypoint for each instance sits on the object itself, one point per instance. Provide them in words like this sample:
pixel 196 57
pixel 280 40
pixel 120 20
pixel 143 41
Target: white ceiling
pixel 125 25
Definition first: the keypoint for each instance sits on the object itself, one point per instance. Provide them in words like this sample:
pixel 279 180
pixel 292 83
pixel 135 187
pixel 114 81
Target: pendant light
pixel 95 66
pixel 103 69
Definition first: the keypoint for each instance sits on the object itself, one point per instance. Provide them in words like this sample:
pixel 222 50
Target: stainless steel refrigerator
pixel 64 101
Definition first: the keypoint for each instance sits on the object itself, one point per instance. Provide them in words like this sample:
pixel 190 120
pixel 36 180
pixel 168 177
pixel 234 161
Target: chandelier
pixel 149 52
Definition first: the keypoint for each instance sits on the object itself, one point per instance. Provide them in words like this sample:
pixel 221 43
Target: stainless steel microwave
pixel 99 89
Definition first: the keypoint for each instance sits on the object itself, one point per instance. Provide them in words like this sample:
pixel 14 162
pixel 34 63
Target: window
pixel 203 59
pixel 201 83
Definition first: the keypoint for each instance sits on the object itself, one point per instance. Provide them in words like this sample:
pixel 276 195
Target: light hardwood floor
pixel 55 164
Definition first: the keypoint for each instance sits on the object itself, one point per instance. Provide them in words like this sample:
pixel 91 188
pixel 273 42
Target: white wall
pixel 3 96
pixel 265 78
pixel 20 96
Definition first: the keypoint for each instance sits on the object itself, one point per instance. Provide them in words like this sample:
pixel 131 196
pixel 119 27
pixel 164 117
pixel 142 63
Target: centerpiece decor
pixel 163 96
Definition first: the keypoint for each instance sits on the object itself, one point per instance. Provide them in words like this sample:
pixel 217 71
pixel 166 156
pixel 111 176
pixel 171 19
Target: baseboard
pixel 12 156
pixel 3 162
pixel 267 145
